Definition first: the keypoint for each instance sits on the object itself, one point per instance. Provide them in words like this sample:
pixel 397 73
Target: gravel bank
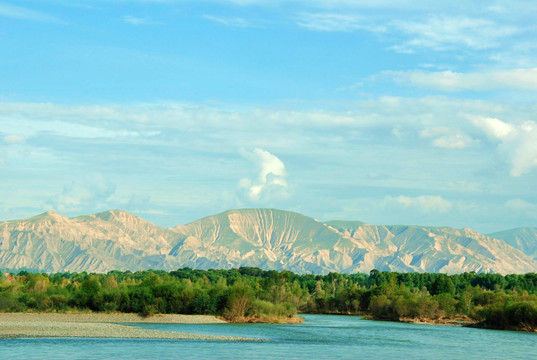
pixel 100 326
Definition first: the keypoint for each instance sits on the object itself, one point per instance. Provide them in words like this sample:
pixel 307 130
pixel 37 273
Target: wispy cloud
pixel 22 13
pixel 134 20
pixel 93 192
pixel 347 4
pixel 164 151
pixel 13 139
pixel 230 21
pixel 447 33
pixel 456 141
pixel 522 208
pixel 335 22
pixel 272 175
pixel 69 129
pixel 445 137
pixel 438 33
pixel 513 79
pixel 424 203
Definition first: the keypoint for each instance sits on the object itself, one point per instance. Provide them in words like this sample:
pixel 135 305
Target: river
pixel 319 337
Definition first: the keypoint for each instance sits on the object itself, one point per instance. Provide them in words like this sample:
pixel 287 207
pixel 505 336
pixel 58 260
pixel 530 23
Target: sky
pixel 383 111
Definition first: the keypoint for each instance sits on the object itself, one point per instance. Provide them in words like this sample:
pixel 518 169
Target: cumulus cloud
pixel 271 178
pixel 494 127
pixel 424 203
pixel 512 79
pixel 516 141
pixel 353 148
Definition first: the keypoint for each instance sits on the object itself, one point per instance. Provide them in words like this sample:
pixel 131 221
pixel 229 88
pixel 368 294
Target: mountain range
pixel 265 238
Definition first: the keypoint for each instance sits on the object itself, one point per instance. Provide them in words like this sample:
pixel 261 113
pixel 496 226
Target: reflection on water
pixel 319 337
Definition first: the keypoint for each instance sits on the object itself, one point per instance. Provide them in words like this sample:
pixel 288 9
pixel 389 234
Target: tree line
pixel 253 294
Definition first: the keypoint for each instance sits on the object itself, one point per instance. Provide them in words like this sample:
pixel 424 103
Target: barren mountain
pixel 524 239
pixel 100 242
pixel 266 238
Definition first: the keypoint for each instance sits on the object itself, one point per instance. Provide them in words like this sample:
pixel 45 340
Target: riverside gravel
pixel 29 325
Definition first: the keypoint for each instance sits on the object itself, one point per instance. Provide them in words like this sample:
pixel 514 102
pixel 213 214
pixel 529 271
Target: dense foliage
pixel 492 300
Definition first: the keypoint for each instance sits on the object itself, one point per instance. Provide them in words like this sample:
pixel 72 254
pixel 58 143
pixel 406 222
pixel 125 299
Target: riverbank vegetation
pixel 254 295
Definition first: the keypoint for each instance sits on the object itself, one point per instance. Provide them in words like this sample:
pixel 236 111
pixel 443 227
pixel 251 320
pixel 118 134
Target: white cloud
pixel 336 22
pixel 521 205
pixel 435 131
pixel 134 20
pixel 494 127
pixel 18 12
pixel 446 33
pixel 514 79
pixel 13 139
pixel 198 134
pixel 523 209
pixel 94 121
pixel 517 141
pixel 229 21
pixel 271 178
pixel 465 186
pixel 409 5
pixel 353 148
pixel 70 128
pixel 445 137
pixel 424 203
pixel 457 141
pixel 93 192
pixel 439 33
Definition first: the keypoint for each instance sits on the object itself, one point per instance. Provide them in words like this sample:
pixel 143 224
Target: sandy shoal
pixel 24 325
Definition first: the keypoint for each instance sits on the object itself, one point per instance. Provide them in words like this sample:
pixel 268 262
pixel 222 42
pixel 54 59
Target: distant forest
pixel 251 294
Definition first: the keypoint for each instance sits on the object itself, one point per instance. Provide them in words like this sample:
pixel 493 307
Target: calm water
pixel 319 337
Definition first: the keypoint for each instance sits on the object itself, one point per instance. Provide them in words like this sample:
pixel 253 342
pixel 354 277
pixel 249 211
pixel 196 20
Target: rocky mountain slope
pixel 266 238
pixel 99 243
pixel 523 239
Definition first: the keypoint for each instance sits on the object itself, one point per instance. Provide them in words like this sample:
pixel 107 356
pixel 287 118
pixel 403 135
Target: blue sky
pixel 389 112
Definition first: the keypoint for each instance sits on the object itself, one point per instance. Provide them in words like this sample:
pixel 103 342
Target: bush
pixel 522 314
pixel 240 300
pixel 203 304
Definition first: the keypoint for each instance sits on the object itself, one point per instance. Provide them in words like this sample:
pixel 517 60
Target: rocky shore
pixel 455 321
pixel 26 325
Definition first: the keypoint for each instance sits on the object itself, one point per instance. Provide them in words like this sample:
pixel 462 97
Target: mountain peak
pixel 344 224
pixel 257 211
pixel 119 215
pixel 50 214
pixel 250 212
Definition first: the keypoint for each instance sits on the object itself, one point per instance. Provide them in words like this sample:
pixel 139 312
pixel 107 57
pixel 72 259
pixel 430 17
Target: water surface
pixel 319 337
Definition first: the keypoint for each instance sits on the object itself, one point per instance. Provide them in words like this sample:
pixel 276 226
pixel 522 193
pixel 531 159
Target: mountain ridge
pixel 267 238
